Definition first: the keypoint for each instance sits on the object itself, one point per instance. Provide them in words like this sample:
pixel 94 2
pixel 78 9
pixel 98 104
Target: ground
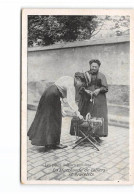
pixel 84 163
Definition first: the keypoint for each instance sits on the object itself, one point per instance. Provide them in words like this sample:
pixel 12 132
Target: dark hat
pixel 95 61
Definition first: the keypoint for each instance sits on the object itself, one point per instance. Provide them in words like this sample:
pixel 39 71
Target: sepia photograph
pixel 75 104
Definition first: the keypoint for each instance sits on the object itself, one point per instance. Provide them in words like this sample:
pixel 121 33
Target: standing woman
pixel 46 127
pixel 95 104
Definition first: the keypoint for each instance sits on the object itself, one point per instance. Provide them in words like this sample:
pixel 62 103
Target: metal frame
pixel 89 137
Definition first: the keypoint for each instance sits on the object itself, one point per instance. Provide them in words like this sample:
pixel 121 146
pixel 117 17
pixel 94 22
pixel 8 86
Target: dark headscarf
pixel 80 76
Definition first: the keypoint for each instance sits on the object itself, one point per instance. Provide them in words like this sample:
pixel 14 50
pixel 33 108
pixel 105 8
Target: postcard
pixel 77 96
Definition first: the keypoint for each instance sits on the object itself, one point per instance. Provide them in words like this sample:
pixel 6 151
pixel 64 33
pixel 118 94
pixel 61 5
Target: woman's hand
pixel 88 92
pixel 64 113
pixel 96 92
pixel 81 117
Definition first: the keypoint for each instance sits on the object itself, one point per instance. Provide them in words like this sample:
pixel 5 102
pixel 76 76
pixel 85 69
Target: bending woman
pixel 46 126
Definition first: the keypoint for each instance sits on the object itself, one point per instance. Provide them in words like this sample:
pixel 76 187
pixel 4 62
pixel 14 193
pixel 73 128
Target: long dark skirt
pixel 46 127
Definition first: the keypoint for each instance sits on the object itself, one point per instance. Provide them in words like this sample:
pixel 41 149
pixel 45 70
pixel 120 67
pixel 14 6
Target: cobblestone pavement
pixel 83 163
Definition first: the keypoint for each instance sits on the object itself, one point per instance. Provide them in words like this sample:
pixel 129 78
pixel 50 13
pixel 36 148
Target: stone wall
pixel 49 63
pixel 46 64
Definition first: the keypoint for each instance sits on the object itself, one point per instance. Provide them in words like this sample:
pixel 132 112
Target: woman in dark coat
pixel 46 127
pixel 92 97
pixel 95 101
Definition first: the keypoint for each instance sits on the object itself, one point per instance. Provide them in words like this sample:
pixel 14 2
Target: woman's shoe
pixel 60 146
pixel 49 147
pixel 98 140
